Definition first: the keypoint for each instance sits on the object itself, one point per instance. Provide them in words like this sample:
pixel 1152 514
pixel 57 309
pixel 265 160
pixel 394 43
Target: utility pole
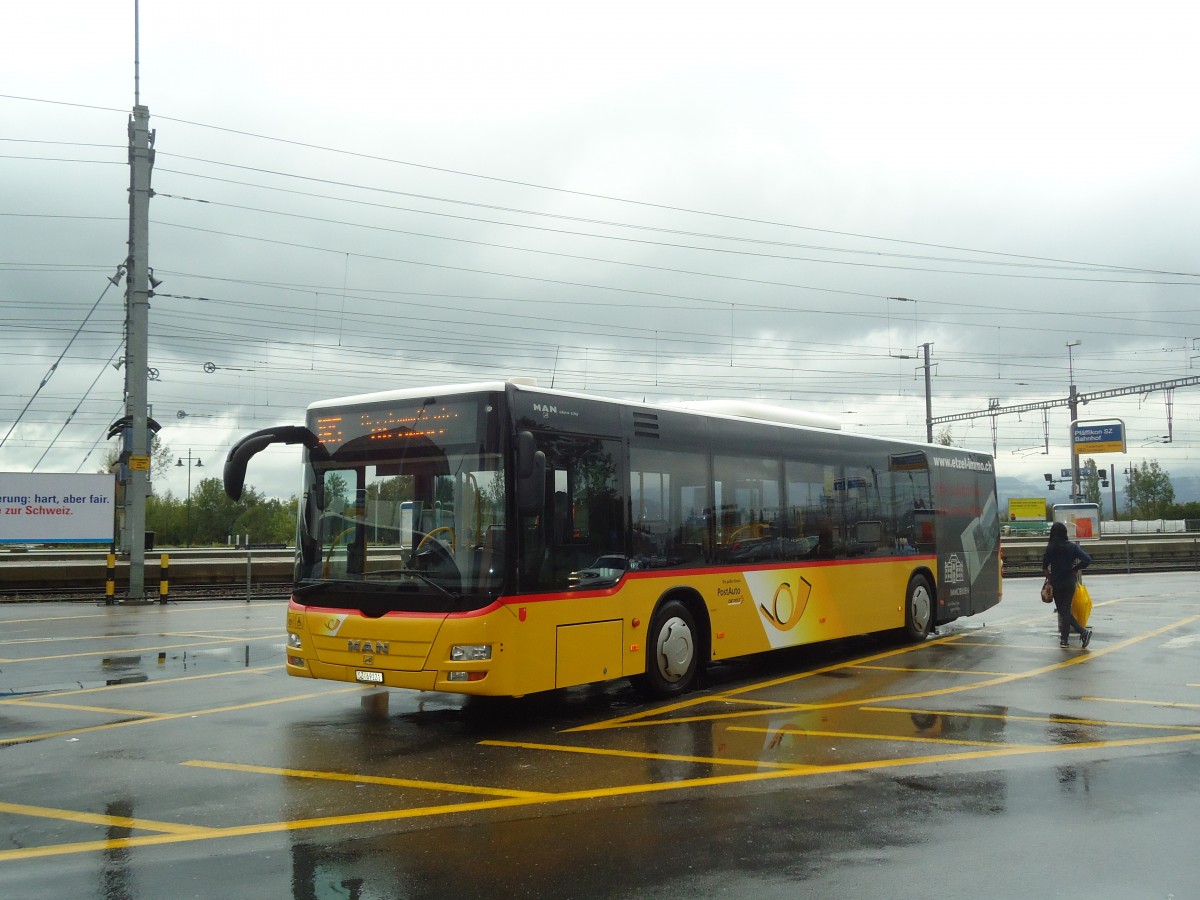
pixel 136 453
pixel 137 325
pixel 1073 405
pixel 928 397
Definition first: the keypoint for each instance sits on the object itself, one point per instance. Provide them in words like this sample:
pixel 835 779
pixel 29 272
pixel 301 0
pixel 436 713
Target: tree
pixel 1148 491
pixel 161 458
pixel 214 517
pixel 270 521
pixel 1189 510
pixel 945 437
pixel 1089 481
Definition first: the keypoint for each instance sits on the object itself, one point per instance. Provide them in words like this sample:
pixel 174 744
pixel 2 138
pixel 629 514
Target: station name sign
pixel 1108 437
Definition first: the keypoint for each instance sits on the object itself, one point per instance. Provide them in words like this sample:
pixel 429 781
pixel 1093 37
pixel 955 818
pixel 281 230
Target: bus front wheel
pixel 671 659
pixel 918 609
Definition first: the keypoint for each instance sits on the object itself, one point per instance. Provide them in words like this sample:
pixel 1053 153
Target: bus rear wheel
pixel 918 609
pixel 671 660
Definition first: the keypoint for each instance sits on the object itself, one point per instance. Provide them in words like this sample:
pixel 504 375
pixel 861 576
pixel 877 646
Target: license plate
pixel 368 677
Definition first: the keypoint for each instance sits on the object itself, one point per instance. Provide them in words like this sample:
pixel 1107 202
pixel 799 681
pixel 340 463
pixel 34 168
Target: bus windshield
pixel 407 513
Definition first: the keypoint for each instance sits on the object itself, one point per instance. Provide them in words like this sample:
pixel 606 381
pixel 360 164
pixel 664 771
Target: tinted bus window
pixel 670 507
pixel 749 525
pixel 583 518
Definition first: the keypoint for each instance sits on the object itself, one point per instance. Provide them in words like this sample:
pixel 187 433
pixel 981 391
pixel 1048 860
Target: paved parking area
pixel 161 751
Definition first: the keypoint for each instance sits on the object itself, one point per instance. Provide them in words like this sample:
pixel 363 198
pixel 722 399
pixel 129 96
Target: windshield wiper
pixel 429 581
pixel 313 587
pixel 371 587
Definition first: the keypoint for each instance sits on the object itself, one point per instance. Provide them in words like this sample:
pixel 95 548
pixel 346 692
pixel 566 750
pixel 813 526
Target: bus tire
pixel 919 606
pixel 671 652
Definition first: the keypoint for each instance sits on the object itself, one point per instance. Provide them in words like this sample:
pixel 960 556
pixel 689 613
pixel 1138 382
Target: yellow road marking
pixel 1164 703
pixel 769 704
pixel 627 790
pixel 634 718
pixel 79 707
pixel 643 719
pixel 1050 720
pixel 396 815
pixel 71 692
pixel 366 779
pixel 166 717
pixel 68 815
pixel 127 685
pixel 269 632
pixel 125 651
pixel 637 754
pixel 804 732
pixel 197 606
pixel 922 669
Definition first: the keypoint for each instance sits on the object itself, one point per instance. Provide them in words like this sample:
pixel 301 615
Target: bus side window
pixel 748 527
pixel 671 509
pixel 582 520
pixel 812 508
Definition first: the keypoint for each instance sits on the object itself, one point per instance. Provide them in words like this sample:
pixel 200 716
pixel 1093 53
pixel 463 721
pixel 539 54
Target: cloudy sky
pixel 780 201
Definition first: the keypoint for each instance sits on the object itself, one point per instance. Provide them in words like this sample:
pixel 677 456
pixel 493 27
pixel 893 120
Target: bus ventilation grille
pixel 645 424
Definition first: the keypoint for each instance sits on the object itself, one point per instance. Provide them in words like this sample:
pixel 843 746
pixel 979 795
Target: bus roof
pixel 479 387
pixel 728 408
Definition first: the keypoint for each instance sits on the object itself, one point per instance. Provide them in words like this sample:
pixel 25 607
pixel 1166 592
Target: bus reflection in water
pixel 502 539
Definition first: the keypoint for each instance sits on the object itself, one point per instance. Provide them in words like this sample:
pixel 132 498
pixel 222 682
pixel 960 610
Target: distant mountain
pixel 1187 490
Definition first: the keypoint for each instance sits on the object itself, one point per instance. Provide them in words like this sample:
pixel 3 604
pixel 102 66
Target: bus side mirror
pixel 235 463
pixel 531 475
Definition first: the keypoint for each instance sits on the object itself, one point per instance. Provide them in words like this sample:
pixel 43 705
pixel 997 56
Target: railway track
pixel 182 594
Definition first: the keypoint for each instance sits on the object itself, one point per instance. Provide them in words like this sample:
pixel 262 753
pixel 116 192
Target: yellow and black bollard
pixel 163 577
pixel 110 578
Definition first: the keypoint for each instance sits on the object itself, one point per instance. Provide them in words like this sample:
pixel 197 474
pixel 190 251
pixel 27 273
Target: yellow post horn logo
pixel 793 606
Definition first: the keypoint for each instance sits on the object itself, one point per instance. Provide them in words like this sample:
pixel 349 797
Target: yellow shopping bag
pixel 1081 604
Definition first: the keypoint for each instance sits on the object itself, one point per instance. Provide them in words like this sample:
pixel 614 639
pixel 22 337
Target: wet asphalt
pixel 161 751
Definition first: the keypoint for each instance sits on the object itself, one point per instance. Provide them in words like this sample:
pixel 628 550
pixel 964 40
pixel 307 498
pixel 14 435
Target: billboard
pixel 56 508
pixel 1027 509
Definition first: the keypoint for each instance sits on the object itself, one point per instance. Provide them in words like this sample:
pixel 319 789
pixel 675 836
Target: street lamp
pixel 1133 489
pixel 199 465
pixel 1073 403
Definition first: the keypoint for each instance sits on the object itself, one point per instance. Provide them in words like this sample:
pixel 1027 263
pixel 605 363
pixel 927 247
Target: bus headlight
pixel 470 652
pixel 293 641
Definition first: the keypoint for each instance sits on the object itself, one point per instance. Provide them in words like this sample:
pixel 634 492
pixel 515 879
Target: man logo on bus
pixel 787 609
pixel 548 409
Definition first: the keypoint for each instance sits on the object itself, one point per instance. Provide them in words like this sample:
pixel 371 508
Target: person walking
pixel 1060 562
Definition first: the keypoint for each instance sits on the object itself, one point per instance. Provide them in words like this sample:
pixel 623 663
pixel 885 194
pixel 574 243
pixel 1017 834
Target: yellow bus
pixel 502 539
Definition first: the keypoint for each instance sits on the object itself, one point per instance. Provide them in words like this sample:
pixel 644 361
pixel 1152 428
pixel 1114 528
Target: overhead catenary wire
pixel 46 378
pixel 91 387
pixel 610 198
pixel 239 337
pixel 1025 262
pixel 724 250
